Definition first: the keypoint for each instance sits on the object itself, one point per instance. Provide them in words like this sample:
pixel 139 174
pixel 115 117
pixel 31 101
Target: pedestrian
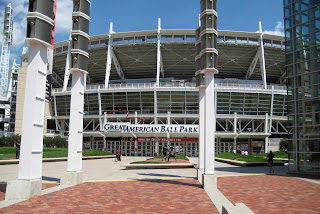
pixel 172 153
pixel 118 155
pixel 270 161
pixel 164 152
pixel 18 151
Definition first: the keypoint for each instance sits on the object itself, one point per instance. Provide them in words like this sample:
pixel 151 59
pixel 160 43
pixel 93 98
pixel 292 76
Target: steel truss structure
pixel 5 52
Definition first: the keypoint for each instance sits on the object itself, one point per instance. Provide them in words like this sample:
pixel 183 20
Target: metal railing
pixel 135 86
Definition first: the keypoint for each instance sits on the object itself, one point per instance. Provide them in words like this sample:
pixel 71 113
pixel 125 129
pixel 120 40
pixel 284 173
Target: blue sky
pixel 130 15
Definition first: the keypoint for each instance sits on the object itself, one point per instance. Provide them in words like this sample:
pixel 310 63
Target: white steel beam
pixel 158 52
pixel 109 57
pixel 117 65
pixel 253 65
pixel 262 59
pixel 68 66
pixel 112 57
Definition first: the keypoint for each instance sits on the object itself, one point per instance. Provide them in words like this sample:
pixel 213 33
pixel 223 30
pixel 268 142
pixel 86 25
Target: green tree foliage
pixel 13 140
pixel 2 141
pixel 57 142
pixel 284 145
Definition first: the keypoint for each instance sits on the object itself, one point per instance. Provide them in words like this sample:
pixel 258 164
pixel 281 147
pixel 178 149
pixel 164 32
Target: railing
pixel 249 86
pixel 129 86
pixel 192 85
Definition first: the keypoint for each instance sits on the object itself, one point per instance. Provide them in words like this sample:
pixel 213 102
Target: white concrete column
pixel 210 121
pixel 30 163
pixel 235 121
pixel 155 106
pixel 76 121
pixel 135 148
pixel 201 127
pixel 266 125
pixel 29 181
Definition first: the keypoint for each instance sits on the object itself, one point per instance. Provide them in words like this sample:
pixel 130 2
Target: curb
pixel 158 166
pixel 7 162
pixel 248 164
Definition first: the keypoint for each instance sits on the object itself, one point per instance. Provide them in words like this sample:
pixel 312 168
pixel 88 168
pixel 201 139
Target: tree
pixel 2 141
pixel 13 140
pixel 284 145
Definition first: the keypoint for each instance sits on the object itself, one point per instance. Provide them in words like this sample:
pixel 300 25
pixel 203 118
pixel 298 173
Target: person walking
pixel 270 161
pixel 118 155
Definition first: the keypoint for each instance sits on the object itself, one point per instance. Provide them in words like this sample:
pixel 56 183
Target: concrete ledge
pixel 248 164
pixel 158 166
pixel 15 161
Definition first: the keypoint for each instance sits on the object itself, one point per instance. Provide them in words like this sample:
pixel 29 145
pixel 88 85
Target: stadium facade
pixel 141 92
pixel 302 28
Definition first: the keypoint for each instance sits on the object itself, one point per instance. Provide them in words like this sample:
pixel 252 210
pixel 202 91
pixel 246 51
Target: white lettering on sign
pixel 143 128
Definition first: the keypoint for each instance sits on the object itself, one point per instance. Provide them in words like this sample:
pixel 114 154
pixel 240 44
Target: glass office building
pixel 302 29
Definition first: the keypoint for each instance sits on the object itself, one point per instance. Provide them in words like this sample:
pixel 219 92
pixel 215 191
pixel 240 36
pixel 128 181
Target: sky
pixel 130 15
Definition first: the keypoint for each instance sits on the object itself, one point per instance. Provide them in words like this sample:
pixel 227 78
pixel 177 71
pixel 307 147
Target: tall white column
pixel 201 127
pixel 210 124
pixel 76 122
pixel 29 183
pixel 80 37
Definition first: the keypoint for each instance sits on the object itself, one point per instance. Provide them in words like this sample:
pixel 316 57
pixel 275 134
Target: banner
pixel 149 128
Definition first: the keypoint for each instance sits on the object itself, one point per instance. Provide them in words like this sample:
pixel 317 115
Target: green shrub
pixel 2 141
pixel 284 145
pixel 12 140
pixel 57 141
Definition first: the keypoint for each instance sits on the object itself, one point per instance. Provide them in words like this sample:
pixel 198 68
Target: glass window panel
pixel 107 102
pixel 134 102
pixel 147 102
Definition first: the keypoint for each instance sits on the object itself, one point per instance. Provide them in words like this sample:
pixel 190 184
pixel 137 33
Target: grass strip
pixel 148 162
pixel 251 158
pixel 10 152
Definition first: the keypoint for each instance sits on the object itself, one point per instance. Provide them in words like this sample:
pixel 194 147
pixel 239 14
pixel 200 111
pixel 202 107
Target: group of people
pixel 168 152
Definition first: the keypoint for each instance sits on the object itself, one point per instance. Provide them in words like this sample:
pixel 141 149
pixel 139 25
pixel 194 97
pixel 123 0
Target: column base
pixel 209 182
pixel 23 189
pixel 200 175
pixel 72 178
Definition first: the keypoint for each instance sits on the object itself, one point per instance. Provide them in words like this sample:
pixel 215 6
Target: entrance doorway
pixel 112 146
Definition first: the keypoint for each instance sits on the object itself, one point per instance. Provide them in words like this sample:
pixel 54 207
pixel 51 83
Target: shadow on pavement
pixel 164 175
pixel 45 178
pixel 172 182
pixel 280 169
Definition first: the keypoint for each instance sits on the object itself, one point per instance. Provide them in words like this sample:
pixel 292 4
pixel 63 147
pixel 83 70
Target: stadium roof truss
pixel 156 54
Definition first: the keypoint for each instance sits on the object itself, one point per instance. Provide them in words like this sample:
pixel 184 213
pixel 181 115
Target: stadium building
pixel 141 92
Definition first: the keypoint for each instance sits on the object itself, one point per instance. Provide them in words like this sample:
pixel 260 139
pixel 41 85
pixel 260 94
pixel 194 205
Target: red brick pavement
pixel 4 186
pixel 272 194
pixel 149 196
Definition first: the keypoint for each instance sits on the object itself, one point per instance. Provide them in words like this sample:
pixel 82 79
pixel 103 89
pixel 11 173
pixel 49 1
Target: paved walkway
pixel 111 189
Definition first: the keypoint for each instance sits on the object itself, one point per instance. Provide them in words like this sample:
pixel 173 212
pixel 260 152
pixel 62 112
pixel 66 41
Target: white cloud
pixel 64 17
pixel 278 30
pixel 20 9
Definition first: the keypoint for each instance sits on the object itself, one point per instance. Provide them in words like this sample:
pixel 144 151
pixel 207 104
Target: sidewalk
pixel 115 190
